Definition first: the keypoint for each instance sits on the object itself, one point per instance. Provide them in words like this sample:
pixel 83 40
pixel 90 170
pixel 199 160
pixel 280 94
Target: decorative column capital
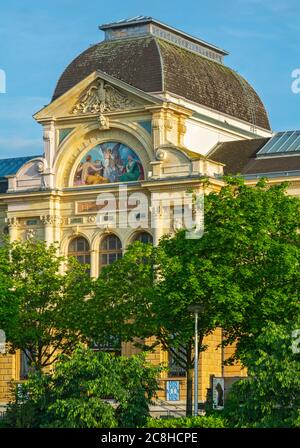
pixel 156 210
pixel 31 234
pixel 47 220
pixel 51 220
pixel 12 222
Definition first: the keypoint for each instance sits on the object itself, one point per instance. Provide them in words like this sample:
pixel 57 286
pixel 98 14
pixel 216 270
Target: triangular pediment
pixel 97 94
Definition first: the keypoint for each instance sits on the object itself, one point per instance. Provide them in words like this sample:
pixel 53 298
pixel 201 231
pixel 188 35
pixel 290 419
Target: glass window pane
pixel 112 258
pixel 80 258
pixel 80 245
pixel 110 250
pixel 144 237
pixel 112 243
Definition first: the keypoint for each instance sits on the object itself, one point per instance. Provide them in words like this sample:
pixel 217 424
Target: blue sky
pixel 38 39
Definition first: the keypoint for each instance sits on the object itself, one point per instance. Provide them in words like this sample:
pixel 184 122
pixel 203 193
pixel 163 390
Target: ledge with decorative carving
pixel 102 97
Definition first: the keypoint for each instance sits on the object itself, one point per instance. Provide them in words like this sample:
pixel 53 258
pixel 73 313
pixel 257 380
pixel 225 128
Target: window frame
pixel 107 252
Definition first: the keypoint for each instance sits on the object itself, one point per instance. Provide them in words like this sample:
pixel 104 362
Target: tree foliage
pixel 255 233
pixel 87 390
pixel 270 396
pixel 244 271
pixel 206 421
pixel 42 309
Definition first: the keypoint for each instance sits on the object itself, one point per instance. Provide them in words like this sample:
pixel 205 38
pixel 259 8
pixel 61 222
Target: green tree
pixel 270 396
pixel 149 292
pixel 254 231
pixel 243 272
pixel 87 390
pixel 42 309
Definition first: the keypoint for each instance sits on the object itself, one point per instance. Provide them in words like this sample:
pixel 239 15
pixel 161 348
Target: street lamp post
pixel 196 309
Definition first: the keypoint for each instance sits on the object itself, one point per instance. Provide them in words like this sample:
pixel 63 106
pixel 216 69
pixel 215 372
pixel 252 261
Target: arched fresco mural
pixel 107 163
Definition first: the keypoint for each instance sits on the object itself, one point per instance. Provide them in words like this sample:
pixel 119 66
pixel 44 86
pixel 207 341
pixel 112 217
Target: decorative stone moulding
pixel 161 155
pixel 103 122
pixel 102 97
pixel 91 219
pixel 12 222
pixel 31 234
pixel 40 167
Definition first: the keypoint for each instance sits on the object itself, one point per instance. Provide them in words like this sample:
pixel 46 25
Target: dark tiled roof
pixel 236 154
pixel 134 61
pixel 239 157
pixel 211 84
pixel 273 164
pixel 155 65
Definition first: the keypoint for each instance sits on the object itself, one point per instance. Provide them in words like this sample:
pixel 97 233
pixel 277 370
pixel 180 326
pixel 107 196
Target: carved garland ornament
pixel 12 222
pixel 102 97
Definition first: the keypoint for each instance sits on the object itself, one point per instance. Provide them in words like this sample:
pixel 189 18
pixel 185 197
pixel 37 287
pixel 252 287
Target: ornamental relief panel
pixel 102 97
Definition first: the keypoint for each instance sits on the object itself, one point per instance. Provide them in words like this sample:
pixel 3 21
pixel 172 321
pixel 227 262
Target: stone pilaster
pixel 49 143
pixel 158 129
pixel 13 227
pixel 58 222
pixel 156 223
pixel 48 222
pixel 181 130
pixel 49 149
pixel 94 263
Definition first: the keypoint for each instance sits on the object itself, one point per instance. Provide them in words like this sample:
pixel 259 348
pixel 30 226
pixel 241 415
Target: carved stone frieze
pixel 12 222
pixel 31 234
pixel 103 122
pixel 50 220
pixel 102 97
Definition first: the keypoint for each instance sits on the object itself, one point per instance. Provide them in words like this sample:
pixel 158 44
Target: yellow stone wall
pixel 210 362
pixel 9 370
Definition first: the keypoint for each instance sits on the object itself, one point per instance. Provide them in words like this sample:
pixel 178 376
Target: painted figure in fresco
pixel 109 163
pixel 110 171
pixel 132 170
pixel 90 172
pixel 113 163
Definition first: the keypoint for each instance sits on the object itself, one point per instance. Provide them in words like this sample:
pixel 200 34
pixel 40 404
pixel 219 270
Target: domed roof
pixel 156 65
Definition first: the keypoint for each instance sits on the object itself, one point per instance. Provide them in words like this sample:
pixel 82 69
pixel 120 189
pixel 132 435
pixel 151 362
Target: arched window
pixel 80 249
pixel 176 369
pixel 110 250
pixel 143 237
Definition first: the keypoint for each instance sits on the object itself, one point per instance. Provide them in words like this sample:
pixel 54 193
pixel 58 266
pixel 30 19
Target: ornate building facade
pixel 152 110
